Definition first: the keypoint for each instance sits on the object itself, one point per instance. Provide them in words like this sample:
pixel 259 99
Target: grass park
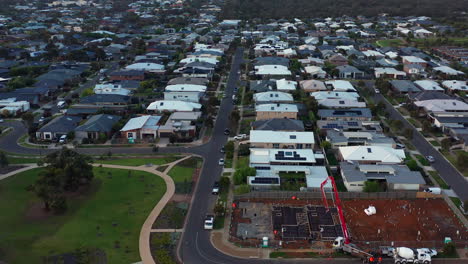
pixel 107 216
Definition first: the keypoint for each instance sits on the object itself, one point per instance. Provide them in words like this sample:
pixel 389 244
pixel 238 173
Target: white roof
pixel 377 154
pixel 314 70
pixel 334 95
pixel 448 70
pixel 372 53
pixel 340 85
pixel 316 175
pixel 273 96
pixel 145 66
pixel 443 105
pixel 341 103
pixel 284 84
pixel 110 88
pixel 455 85
pixel 276 108
pixel 140 122
pixel 265 156
pixel 388 70
pixel 272 70
pixel 173 106
pixel 268 136
pixel 185 88
pixel 413 59
pixel 429 85
pixel 202 59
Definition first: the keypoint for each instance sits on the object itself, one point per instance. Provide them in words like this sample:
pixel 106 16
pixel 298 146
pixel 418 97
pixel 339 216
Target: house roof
pixel 271 61
pixel 287 137
pixel 273 96
pixel 142 122
pixel 276 108
pixel 313 85
pixel 395 174
pixel 428 85
pixel 99 123
pixel 443 105
pixel 188 80
pixel 104 98
pixel 266 156
pixel 372 153
pixel 340 85
pixel 278 124
pixel 455 85
pixel 335 95
pixel 359 137
pixel 352 112
pixel 413 59
pixel 429 95
pixel 185 88
pixel 404 86
pixel 272 70
pixel 173 105
pixel 262 85
pixel 62 124
pixel 284 84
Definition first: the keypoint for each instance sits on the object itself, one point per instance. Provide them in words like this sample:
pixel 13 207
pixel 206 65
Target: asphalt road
pixel 446 170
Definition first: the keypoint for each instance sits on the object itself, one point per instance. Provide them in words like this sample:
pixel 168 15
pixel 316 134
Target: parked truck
pixel 366 257
pixel 403 255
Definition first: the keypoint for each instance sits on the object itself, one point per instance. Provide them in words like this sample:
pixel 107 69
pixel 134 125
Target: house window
pixel 275 145
pixel 47 136
pixel 308 146
pixel 299 146
pixel 130 134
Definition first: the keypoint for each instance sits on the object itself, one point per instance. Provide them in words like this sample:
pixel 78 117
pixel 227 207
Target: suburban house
pixel 127 75
pixel 414 60
pixel 389 73
pixel 371 155
pixel 340 86
pixel 181 125
pixel 278 124
pixel 146 67
pixel 270 111
pixel 281 139
pixel 358 138
pixel 141 127
pixel 338 60
pixel 349 72
pixel 404 86
pixel 325 125
pixel 286 85
pixel 397 177
pixel 429 85
pixel 273 71
pixel 352 114
pixel 312 86
pixel 273 97
pixel 97 125
pixel 455 85
pixel 173 106
pixel 188 80
pixel 315 72
pixel 184 92
pixel 110 88
pixel 414 69
pixel 108 101
pixel 58 127
pixel 259 86
pixel 273 166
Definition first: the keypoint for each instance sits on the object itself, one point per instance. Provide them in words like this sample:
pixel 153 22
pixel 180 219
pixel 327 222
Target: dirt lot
pixel 400 220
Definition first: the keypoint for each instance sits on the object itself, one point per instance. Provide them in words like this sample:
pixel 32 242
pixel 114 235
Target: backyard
pixel 107 216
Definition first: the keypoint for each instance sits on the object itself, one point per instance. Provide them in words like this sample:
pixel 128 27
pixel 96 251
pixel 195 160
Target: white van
pixel 61 104
pixel 63 139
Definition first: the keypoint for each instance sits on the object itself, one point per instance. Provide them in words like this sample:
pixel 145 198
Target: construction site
pixel 301 223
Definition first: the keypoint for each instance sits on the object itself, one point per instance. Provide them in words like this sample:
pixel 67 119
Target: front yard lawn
pixel 108 216
pixel 422 160
pixel 438 179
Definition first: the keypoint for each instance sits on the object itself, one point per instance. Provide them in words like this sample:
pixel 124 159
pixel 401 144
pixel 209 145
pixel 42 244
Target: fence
pixel 282 195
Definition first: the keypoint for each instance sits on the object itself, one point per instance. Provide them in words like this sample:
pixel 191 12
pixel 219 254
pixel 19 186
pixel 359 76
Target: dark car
pixel 215 189
pixel 226 132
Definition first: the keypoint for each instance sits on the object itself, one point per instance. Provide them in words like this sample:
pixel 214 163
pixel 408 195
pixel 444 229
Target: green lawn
pixel 414 122
pixel 422 160
pixel 139 161
pixel 111 212
pixel 435 143
pixel 438 179
pixel 389 42
pixel 242 162
pixel 182 174
pixel 15 160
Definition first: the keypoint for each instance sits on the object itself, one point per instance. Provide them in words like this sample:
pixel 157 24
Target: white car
pixel 63 139
pixel 1 120
pixel 431 159
pixel 430 252
pixel 221 162
pixel 377 91
pixel 241 136
pixel 209 221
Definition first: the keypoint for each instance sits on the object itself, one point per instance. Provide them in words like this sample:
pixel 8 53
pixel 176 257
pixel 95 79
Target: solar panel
pixel 265 180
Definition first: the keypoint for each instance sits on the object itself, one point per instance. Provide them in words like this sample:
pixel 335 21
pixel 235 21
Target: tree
pixel 172 138
pixel 3 160
pixel 449 249
pixel 426 126
pixel 372 186
pixel 325 144
pixel 49 187
pixel 462 160
pixel 241 189
pixel 28 118
pixel 408 133
pixel 446 143
pixel 224 183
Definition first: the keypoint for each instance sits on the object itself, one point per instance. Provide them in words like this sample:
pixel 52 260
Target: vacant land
pixel 107 216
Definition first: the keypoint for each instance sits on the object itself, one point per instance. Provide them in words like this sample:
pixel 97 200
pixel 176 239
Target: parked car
pixel 377 91
pixel 223 150
pixel 431 159
pixel 209 221
pixel 240 136
pixel 400 146
pixel 1 120
pixel 63 139
pixel 221 162
pixel 215 189
pixel 226 132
